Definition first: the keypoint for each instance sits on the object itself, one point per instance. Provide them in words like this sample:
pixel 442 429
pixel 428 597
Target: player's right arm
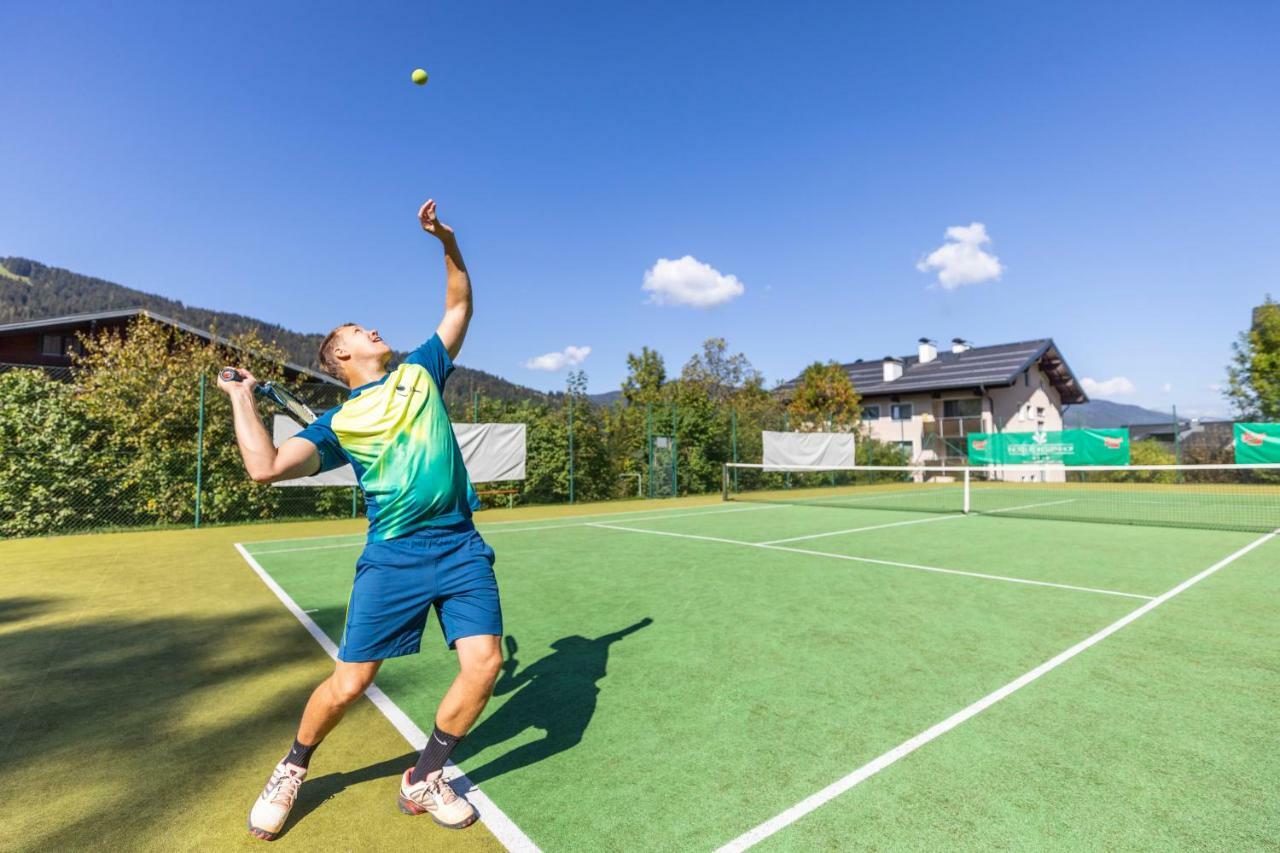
pixel 265 463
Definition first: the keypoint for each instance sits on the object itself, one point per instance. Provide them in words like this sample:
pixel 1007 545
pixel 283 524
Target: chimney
pixel 959 345
pixel 892 368
pixel 928 350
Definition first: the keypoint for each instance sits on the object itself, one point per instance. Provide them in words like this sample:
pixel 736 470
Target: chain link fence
pixel 169 459
pixel 67 468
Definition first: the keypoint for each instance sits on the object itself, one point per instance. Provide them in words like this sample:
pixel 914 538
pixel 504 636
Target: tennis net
pixel 1223 497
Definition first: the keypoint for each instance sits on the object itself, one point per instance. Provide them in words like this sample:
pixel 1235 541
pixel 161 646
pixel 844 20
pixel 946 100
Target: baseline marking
pixel 361 542
pixel 502 827
pixel 812 802
pixel 916 567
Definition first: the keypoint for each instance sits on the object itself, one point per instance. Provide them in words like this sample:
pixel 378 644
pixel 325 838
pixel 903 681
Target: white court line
pixel 914 566
pixel 646 518
pixel 502 827
pixel 486 524
pixel 518 529
pixel 1024 506
pixel 590 515
pixel 860 529
pixel 904 523
pixel 866 771
pixel 359 544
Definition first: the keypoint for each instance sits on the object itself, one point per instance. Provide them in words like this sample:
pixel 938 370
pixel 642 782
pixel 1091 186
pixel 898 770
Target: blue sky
pixel 269 158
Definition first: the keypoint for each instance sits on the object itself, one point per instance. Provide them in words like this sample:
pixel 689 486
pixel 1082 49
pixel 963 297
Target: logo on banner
pixel 1253 439
pixel 1112 443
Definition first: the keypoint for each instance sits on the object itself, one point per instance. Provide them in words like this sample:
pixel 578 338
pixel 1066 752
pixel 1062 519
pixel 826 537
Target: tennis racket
pixel 275 393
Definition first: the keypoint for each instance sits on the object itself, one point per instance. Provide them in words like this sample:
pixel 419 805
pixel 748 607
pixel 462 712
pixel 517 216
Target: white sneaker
pixel 272 808
pixel 436 797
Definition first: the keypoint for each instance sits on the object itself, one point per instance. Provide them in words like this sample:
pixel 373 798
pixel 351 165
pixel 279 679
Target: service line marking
pixel 892 563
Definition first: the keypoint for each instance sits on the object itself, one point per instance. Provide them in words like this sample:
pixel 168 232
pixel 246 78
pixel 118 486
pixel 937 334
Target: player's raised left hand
pixel 432 225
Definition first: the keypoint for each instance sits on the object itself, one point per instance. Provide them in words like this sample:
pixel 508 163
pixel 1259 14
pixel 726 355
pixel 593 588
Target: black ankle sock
pixel 300 754
pixel 439 745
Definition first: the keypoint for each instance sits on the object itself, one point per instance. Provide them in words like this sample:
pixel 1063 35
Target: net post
pixel 733 420
pixel 199 452
pixel 966 492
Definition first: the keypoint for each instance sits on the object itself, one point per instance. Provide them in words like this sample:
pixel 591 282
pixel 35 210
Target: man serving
pixel 422 549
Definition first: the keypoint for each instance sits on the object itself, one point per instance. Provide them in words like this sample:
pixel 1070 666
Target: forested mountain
pixel 1102 414
pixel 32 291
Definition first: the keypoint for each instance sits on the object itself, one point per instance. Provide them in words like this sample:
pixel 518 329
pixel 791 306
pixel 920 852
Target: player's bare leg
pixel 324 709
pixel 423 789
pixel 333 697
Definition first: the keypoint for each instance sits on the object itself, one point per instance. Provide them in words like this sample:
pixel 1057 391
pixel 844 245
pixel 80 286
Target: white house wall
pixel 1009 409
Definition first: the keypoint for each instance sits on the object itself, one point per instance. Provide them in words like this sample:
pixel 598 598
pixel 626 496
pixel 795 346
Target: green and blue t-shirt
pixel 396 434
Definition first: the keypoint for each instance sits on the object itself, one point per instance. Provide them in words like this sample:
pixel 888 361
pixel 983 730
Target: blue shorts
pixel 398 580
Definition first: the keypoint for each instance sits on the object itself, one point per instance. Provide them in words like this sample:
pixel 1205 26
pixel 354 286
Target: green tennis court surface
pixel 749 673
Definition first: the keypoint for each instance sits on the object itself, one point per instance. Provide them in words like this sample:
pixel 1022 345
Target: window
pixel 51 345
pixel 871 413
pixel 908 449
pixel 1039 411
pixel 967 408
pixel 900 411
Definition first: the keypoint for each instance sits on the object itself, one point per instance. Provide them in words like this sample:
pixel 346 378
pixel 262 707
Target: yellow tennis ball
pixel 419 76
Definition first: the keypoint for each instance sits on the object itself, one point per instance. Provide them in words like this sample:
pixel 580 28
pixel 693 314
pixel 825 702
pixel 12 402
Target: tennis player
pixel 422 549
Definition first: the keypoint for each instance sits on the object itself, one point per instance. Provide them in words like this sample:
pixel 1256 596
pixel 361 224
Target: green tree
pixel 824 394
pixel 141 388
pixel 1253 377
pixel 646 374
pixel 593 471
pixel 55 475
pixel 719 374
pixel 1146 452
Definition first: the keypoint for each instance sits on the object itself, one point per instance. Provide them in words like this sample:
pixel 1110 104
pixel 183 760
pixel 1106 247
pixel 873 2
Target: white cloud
pixel 688 281
pixel 1115 387
pixel 961 260
pixel 1215 388
pixel 567 357
pixel 1166 387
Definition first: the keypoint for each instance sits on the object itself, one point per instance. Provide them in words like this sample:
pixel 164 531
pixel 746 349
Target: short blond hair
pixel 328 361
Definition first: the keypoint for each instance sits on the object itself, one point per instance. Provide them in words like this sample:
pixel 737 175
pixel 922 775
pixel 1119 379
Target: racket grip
pixel 230 374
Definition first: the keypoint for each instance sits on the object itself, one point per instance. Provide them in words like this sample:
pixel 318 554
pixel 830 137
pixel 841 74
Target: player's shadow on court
pixel 556 693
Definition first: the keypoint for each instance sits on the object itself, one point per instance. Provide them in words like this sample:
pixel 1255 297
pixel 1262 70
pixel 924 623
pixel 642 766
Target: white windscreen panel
pixel 491 452
pixel 284 428
pixel 784 449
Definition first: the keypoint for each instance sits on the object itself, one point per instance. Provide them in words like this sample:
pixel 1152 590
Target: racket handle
pixel 230 374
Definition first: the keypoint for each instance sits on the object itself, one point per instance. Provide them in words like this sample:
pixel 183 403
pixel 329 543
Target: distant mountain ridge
pixel 30 290
pixel 1102 414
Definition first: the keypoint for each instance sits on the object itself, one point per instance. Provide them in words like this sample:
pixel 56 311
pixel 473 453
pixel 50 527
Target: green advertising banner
pixel 1067 447
pixel 1257 442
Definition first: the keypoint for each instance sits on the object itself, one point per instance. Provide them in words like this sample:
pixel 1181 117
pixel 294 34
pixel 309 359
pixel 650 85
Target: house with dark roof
pixel 50 343
pixel 929 402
